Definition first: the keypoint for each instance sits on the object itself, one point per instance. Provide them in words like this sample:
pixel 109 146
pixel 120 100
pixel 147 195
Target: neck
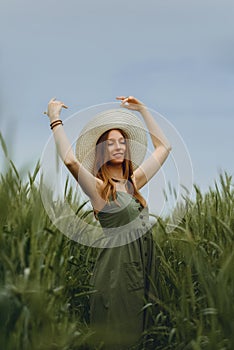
pixel 116 172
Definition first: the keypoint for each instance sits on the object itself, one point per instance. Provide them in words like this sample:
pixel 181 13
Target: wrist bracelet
pixel 55 123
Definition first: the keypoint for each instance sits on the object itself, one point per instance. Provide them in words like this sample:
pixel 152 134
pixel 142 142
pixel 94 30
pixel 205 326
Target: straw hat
pixel 112 119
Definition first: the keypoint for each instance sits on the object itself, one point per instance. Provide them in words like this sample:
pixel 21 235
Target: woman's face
pixel 116 147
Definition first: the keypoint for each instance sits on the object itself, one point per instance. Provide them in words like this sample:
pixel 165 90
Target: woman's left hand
pixel 131 102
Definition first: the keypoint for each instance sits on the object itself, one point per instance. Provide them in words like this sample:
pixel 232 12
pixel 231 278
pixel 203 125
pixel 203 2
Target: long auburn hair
pixel 101 169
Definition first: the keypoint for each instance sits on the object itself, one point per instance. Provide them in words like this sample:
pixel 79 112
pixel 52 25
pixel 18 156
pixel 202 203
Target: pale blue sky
pixel 176 56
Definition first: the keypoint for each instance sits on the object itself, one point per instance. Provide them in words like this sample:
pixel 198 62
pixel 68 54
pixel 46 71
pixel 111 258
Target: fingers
pixel 58 102
pixel 125 100
pixel 130 102
pixel 123 97
pixel 53 99
pixel 54 105
pixel 120 98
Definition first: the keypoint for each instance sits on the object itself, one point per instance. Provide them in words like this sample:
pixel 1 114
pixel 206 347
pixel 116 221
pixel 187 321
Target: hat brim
pixel 112 119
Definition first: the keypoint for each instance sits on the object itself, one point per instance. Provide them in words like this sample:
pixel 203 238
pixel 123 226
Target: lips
pixel 118 154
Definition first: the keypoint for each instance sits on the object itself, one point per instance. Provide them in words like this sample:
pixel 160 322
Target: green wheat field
pixel 44 276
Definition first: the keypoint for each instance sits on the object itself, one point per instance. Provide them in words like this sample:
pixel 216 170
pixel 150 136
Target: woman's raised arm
pixel 162 146
pixel 89 183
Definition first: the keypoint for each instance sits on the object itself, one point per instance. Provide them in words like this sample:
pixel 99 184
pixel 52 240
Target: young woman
pixel 110 169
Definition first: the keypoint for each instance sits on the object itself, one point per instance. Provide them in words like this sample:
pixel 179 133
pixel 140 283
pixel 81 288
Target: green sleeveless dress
pixel 123 275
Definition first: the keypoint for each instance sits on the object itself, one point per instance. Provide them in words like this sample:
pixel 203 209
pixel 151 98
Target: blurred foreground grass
pixel 44 276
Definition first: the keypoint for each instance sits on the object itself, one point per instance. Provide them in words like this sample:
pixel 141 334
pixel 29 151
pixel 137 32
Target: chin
pixel 116 161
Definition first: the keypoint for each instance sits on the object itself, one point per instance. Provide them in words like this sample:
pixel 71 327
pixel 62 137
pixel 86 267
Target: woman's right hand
pixel 54 109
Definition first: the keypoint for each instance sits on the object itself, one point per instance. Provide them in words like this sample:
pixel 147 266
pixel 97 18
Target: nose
pixel 117 145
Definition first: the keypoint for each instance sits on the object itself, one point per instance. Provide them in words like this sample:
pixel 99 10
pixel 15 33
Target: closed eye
pixel 112 141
